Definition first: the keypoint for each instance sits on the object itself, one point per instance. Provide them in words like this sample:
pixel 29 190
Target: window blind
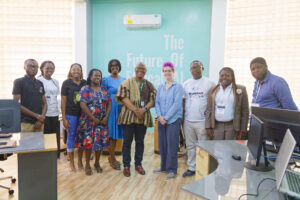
pixel 39 29
pixel 269 29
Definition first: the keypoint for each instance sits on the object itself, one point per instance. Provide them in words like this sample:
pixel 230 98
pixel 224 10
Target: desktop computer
pixel 256 145
pixel 276 122
pixel 10 116
pixel 10 121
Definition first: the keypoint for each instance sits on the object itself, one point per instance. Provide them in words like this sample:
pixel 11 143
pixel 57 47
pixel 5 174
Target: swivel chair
pixel 13 180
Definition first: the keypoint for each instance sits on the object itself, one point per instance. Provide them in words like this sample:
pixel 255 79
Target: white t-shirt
pixel 195 94
pixel 51 91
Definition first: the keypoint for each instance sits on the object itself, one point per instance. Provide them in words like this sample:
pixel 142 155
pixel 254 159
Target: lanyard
pixel 258 89
pixel 140 86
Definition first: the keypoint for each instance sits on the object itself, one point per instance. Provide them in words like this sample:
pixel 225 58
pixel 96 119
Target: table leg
pixel 37 175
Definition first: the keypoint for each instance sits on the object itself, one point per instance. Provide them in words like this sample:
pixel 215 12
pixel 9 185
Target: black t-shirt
pixel 31 92
pixel 72 91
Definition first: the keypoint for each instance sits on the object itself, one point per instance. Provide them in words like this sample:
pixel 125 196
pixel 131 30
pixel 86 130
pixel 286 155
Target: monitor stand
pixel 261 167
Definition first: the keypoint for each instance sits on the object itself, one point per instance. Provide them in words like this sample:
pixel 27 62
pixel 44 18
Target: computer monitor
pixel 256 145
pixel 277 121
pixel 10 116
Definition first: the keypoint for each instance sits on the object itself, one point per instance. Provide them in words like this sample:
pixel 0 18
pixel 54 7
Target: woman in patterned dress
pixel 93 130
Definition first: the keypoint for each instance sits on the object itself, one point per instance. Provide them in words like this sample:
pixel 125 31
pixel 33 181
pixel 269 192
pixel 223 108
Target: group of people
pixel 100 110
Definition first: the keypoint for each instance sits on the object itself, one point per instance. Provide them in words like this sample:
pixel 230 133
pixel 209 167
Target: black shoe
pixel 188 173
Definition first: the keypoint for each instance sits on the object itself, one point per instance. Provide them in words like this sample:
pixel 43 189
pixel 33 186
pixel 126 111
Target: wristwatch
pixel 146 109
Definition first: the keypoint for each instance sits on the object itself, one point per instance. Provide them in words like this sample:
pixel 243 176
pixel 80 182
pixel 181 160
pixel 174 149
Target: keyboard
pixel 276 148
pixel 293 180
pixel 5 135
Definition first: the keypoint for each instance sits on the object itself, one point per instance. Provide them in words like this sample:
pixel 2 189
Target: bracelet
pixel 145 108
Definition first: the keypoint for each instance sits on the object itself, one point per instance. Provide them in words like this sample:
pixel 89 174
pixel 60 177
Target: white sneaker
pixel 170 175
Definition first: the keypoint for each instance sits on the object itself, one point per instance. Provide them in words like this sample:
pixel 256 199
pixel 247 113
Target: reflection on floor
pixel 111 184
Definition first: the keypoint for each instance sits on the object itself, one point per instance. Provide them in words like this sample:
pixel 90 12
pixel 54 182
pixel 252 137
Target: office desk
pixel 225 178
pixel 37 166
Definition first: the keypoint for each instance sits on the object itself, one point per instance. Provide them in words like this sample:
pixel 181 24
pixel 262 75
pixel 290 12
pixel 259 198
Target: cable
pixel 256 195
pixel 274 157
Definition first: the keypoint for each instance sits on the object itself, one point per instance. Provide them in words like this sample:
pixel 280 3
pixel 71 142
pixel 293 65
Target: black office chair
pixel 13 180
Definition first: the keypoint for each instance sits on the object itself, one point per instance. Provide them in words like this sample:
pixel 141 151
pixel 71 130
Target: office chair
pixel 182 143
pixel 13 180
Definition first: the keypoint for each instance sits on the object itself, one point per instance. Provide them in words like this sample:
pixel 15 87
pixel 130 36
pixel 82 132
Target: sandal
pixel 88 171
pixel 118 163
pixel 72 168
pixel 98 168
pixel 80 166
pixel 114 164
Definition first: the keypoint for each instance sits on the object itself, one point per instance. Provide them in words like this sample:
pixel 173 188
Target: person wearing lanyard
pixel 168 107
pixel 227 110
pixel 270 91
pixel 137 96
pixel 51 86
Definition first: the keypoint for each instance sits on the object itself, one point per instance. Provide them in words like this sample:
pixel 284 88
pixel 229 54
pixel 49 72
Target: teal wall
pixel 183 20
pixel 187 21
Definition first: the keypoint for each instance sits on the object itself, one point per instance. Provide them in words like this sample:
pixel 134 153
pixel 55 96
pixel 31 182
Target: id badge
pixel 48 99
pixel 220 109
pixel 142 104
pixel 255 105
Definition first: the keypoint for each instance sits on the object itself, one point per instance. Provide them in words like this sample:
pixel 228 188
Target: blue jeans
pixel 73 124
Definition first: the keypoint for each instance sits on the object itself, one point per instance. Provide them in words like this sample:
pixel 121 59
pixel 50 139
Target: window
pixel 269 29
pixel 38 29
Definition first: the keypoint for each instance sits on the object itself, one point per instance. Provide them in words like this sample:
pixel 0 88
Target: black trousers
pixel 52 125
pixel 138 131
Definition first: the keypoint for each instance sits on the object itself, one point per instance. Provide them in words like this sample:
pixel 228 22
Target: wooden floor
pixel 111 184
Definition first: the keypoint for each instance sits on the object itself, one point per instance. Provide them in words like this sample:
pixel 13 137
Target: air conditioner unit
pixel 142 21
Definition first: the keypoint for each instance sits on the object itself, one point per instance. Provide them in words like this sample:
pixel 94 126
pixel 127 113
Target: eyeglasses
pixel 49 67
pixel 76 70
pixel 32 66
pixel 167 70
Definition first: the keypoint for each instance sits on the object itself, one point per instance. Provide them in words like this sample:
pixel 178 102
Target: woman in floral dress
pixel 93 130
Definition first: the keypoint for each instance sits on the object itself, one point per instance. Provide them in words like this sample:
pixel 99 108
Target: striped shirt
pixel 130 89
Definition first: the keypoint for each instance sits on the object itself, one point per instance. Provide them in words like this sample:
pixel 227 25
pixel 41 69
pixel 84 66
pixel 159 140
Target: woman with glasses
pixel 70 109
pixel 168 106
pixel 51 87
pixel 93 130
pixel 112 84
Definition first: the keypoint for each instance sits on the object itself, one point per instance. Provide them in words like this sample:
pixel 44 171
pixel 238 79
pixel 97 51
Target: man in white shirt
pixel 194 106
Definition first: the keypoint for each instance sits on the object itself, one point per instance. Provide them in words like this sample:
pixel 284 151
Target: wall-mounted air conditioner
pixel 142 21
